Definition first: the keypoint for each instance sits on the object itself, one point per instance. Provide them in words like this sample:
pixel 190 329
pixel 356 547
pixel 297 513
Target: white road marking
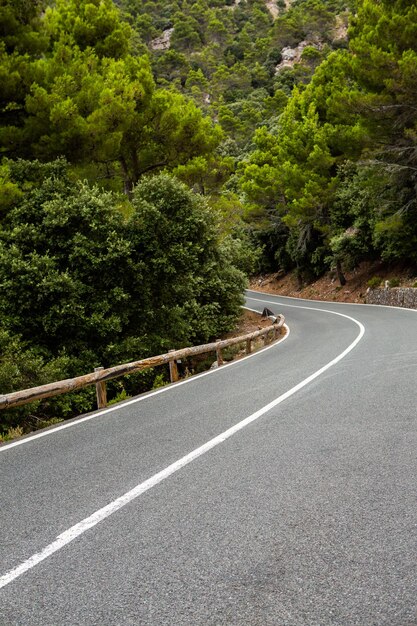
pixel 310 308
pixel 116 407
pixel 89 522
pixel 332 302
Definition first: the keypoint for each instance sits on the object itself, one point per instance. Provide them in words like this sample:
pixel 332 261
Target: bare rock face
pixel 291 56
pixel 272 8
pixel 163 42
pixel 340 32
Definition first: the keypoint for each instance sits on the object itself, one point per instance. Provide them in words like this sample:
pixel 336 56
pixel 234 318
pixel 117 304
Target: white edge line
pixel 310 308
pixel 89 522
pixel 363 304
pixel 169 387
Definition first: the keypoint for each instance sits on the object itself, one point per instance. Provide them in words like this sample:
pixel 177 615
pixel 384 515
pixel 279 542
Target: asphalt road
pixel 303 514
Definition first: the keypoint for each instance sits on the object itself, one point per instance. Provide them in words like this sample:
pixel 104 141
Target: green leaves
pixel 79 280
pixel 290 170
pixel 187 269
pixel 89 24
pixel 87 98
pixel 360 106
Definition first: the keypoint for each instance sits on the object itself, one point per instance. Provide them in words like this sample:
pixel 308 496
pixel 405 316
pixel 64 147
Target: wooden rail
pixel 101 375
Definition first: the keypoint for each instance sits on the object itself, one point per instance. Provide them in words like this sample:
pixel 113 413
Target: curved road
pixel 280 490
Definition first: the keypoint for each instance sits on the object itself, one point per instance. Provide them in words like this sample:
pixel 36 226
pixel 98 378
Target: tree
pixel 192 285
pixel 89 24
pixel 171 66
pixel 20 29
pixel 170 132
pixel 185 36
pixel 78 278
pixel 383 64
pixel 62 247
pixel 92 102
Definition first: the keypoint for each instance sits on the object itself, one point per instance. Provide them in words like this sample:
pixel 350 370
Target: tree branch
pixel 150 168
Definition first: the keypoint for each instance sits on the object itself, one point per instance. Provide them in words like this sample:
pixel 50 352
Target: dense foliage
pixel 86 95
pixel 84 285
pixel 338 168
pixel 91 276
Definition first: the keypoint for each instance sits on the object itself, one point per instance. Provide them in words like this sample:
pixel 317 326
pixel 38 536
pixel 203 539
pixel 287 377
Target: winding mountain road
pixel 280 490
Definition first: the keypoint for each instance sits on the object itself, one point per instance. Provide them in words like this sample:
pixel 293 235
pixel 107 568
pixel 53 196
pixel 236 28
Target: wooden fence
pixel 101 375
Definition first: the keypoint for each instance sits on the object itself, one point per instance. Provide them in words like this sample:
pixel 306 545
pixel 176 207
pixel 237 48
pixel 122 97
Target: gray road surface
pixel 306 516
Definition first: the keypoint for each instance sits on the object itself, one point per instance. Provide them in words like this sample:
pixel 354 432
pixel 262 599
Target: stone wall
pixel 397 296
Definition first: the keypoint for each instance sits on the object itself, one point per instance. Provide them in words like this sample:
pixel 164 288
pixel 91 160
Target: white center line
pixel 78 529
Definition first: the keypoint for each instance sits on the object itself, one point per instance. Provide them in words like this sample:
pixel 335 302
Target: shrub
pixel 85 285
pixel 394 282
pixel 120 397
pixel 374 282
pixel 11 433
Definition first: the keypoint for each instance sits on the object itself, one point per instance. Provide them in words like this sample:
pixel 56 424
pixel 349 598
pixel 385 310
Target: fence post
pixel 219 354
pixel 101 391
pixel 173 370
pixel 248 346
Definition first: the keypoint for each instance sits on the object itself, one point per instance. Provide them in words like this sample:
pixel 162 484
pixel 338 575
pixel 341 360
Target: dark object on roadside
pixel 267 313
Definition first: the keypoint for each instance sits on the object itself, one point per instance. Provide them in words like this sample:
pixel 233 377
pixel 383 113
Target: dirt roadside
pixel 328 288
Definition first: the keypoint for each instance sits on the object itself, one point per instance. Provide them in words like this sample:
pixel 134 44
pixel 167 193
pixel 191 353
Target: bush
pixel 85 285
pixel 394 282
pixel 11 433
pixel 374 282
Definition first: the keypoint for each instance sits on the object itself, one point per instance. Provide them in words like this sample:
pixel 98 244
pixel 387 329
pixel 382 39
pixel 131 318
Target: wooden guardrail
pixel 101 375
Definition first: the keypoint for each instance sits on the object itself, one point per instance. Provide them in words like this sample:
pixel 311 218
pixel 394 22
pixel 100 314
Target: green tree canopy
pixel 78 276
pixel 83 285
pixel 93 102
pixel 359 106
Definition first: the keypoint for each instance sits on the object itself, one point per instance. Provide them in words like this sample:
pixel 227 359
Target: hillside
pixel 327 287
pixel 238 60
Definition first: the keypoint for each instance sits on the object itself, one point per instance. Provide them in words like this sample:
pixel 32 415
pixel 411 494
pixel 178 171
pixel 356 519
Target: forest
pixel 156 153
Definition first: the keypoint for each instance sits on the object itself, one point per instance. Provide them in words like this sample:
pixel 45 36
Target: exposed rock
pixel 341 29
pixel 272 8
pixel 351 232
pixel 163 42
pixel 290 56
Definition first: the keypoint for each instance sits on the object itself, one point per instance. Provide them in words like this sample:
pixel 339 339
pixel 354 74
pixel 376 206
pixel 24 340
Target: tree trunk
pixel 135 167
pixel 340 273
pixel 299 275
pixel 127 181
